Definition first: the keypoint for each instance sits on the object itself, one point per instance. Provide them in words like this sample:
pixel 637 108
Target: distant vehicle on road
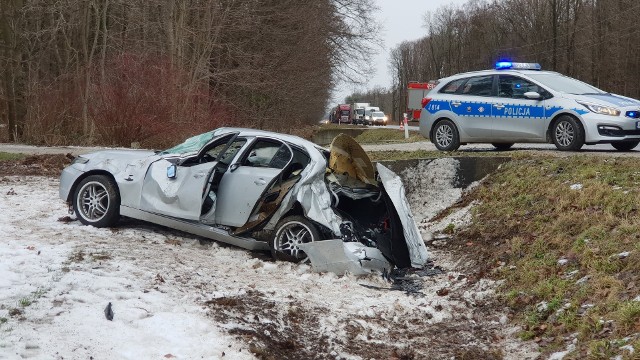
pixel 357 113
pixel 518 102
pixel 377 118
pixel 341 114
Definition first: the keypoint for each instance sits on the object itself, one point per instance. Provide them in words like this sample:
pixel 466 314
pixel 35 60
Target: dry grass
pixel 10 157
pixel 583 211
pixel 382 136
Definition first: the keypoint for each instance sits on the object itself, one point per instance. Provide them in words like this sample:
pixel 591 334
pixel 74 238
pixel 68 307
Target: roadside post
pixel 405 122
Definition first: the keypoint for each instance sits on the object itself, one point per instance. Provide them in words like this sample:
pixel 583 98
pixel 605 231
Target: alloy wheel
pixel 444 135
pixel 93 201
pixel 291 235
pixel 564 133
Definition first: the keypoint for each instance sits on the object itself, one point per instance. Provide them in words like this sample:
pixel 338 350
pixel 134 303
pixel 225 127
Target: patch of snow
pixel 41 263
pixel 561 354
pixel 583 280
pixel 621 255
pixel 430 187
pixel 628 348
pixel 576 187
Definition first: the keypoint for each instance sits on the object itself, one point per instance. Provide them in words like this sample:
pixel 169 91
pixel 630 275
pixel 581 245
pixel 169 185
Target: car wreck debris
pixel 330 206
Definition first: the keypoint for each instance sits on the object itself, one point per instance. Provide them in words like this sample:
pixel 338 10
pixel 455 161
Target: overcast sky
pixel 402 20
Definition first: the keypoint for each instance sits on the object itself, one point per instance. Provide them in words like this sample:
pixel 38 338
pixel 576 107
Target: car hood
pixel 606 100
pixel 123 155
pixel 115 161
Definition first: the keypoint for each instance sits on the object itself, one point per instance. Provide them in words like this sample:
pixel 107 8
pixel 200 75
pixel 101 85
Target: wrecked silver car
pixel 258 190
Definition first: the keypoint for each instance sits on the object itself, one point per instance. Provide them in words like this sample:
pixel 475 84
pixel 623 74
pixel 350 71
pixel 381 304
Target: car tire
pixel 567 134
pixel 290 232
pixel 625 145
pixel 96 201
pixel 502 146
pixel 445 136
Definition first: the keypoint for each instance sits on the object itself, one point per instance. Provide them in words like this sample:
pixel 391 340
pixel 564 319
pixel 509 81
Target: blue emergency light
pixel 505 65
pixel 633 114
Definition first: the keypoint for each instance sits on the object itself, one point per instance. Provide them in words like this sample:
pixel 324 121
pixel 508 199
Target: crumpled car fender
pixel 313 195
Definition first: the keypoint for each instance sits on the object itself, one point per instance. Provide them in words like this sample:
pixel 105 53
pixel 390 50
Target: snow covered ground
pixel 177 296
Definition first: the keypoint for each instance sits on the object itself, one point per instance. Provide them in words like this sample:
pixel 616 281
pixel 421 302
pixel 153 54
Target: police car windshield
pixel 565 84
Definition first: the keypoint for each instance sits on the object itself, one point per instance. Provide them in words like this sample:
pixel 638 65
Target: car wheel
pixel 445 136
pixel 502 146
pixel 625 145
pixel 96 201
pixel 567 134
pixel 291 232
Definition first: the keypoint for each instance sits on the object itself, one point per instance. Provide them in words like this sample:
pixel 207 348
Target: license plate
pixel 637 124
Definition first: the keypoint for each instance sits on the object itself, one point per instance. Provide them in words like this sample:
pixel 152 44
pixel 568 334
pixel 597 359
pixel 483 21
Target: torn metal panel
pixel 341 257
pixel 312 194
pixel 394 187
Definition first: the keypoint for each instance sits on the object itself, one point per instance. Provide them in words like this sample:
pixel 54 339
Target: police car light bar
pixel 505 65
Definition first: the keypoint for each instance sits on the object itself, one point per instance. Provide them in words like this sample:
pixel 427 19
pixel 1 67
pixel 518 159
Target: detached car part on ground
pixel 261 191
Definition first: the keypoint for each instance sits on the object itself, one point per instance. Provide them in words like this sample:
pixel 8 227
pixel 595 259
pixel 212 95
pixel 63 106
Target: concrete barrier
pixel 323 137
pixel 468 170
pixel 433 185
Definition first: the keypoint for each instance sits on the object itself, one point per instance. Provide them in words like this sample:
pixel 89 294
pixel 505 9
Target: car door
pixel 246 180
pixel 472 106
pixel 176 187
pixel 515 116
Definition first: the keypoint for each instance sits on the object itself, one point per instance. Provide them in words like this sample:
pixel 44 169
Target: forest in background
pixel 596 41
pixel 114 72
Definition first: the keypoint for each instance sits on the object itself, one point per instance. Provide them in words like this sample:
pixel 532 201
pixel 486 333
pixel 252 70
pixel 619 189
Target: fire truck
pixel 416 91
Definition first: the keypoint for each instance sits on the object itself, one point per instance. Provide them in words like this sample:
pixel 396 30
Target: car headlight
pixel 599 109
pixel 386 118
pixel 80 160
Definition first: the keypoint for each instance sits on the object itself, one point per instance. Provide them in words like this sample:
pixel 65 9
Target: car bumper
pixel 341 257
pixel 67 179
pixel 600 129
pixel 425 124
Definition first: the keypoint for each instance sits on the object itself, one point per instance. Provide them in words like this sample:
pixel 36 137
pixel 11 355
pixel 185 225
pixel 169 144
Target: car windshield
pixel 192 144
pixel 378 114
pixel 566 84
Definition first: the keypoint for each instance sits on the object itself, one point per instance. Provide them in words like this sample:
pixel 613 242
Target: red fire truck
pixel 416 91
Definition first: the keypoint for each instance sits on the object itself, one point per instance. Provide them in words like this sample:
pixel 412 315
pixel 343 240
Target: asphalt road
pixel 601 149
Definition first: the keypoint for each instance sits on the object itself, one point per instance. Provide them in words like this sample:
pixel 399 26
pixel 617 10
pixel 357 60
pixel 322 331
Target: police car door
pixel 472 105
pixel 517 118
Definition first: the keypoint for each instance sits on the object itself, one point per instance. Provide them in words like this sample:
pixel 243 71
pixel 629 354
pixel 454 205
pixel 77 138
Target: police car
pixel 518 102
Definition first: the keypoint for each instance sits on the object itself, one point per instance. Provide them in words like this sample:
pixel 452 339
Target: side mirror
pixel 532 95
pixel 172 171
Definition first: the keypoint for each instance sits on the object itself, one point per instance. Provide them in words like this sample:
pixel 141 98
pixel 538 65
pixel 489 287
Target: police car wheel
pixel 625 146
pixel 502 146
pixel 567 134
pixel 445 136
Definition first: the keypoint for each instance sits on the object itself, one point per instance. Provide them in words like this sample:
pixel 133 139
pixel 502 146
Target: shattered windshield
pixel 192 144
